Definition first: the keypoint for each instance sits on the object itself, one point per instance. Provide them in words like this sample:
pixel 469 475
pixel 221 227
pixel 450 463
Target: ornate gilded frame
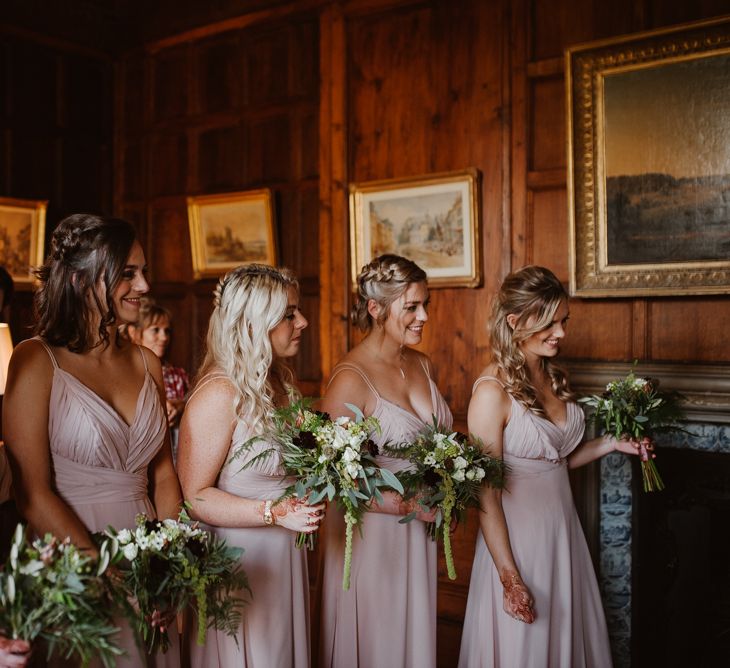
pixel 587 67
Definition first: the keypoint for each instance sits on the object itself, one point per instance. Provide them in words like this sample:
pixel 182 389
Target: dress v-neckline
pixel 110 409
pixel 413 414
pixel 561 427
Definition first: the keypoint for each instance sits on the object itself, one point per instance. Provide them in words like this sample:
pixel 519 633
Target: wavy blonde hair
pixel 533 294
pixel 384 279
pixel 249 302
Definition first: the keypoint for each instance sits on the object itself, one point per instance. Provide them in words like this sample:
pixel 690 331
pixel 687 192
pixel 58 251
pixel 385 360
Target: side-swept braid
pixel 384 279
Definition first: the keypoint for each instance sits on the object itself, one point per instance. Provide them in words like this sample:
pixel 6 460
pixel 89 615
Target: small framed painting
pixel 231 229
pixel 432 220
pixel 22 236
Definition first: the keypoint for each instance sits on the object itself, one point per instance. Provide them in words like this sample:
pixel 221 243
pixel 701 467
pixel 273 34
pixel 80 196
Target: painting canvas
pixel 231 229
pixel 431 220
pixel 650 163
pixel 22 235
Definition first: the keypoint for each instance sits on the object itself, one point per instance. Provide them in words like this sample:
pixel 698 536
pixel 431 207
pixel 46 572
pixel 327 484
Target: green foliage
pixel 328 459
pixel 169 565
pixel 447 472
pixel 52 591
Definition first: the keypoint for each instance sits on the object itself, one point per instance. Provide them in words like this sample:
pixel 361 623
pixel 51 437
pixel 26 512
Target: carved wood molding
pixel 705 388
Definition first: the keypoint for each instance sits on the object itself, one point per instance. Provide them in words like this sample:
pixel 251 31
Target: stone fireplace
pixel 663 558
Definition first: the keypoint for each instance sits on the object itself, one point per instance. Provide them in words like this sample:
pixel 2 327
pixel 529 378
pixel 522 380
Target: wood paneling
pixel 220 112
pixel 55 134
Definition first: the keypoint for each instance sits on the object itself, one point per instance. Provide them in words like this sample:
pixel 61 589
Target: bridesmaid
pixel 83 414
pixel 256 325
pixel 533 596
pixel 388 616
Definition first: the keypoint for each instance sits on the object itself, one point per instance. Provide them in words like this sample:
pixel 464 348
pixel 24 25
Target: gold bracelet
pixel 268 515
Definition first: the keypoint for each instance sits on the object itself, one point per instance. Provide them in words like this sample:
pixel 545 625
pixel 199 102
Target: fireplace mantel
pixel 705 388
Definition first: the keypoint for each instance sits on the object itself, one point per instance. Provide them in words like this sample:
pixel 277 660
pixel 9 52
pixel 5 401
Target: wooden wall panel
pixel 689 330
pixel 55 134
pixel 549 231
pixel 222 111
pixel 547 148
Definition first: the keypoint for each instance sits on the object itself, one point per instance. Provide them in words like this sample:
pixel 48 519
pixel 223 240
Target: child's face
pixel 156 337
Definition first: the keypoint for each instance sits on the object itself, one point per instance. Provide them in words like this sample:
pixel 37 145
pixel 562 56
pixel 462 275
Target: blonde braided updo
pixel 384 279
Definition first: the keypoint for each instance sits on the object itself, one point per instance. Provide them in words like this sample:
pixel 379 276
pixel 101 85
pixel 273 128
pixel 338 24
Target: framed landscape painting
pixel 432 220
pixel 231 229
pixel 22 236
pixel 649 163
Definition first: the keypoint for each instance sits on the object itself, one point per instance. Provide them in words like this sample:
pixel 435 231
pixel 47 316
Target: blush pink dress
pixel 274 632
pixel 387 619
pixel 551 553
pixel 100 469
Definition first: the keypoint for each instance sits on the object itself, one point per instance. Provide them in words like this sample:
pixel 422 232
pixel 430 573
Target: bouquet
pixel 332 459
pixel 168 565
pixel 635 408
pixel 448 471
pixel 52 590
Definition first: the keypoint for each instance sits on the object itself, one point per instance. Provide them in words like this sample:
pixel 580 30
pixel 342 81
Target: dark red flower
pixel 305 440
pixel 372 447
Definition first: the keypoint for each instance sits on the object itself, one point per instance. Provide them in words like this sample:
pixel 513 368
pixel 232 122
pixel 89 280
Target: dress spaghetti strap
pixel 483 378
pixel 48 350
pixel 144 359
pixel 205 380
pixel 347 366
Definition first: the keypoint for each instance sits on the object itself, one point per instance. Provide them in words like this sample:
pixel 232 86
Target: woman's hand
pixel 13 653
pixel 517 600
pixel 297 515
pixel 174 410
pixel 413 505
pixel 643 448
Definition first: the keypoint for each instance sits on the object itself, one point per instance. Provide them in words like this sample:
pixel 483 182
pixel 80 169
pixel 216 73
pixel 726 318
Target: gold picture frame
pixel 432 219
pixel 649 163
pixel 22 237
pixel 231 229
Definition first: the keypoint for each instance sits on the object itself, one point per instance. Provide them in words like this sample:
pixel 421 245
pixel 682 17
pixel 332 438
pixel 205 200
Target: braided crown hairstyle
pixel 86 250
pixel 533 294
pixel 248 303
pixel 384 279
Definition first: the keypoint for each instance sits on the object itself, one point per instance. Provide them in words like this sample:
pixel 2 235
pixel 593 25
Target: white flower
pixel 353 469
pixel 350 456
pixel 142 539
pixel 157 540
pixel 342 420
pixel 429 459
pixel 340 437
pixel 33 567
pixel 441 440
pixel 130 551
pixel 124 536
pixel 479 473
pixel 458 475
pixel 470 474
pixel 460 463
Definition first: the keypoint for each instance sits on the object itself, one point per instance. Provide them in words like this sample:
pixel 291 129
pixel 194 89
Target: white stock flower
pixel 350 455
pixel 460 463
pixel 471 474
pixel 440 440
pixel 479 473
pixel 124 536
pixel 130 551
pixel 458 475
pixel 353 469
